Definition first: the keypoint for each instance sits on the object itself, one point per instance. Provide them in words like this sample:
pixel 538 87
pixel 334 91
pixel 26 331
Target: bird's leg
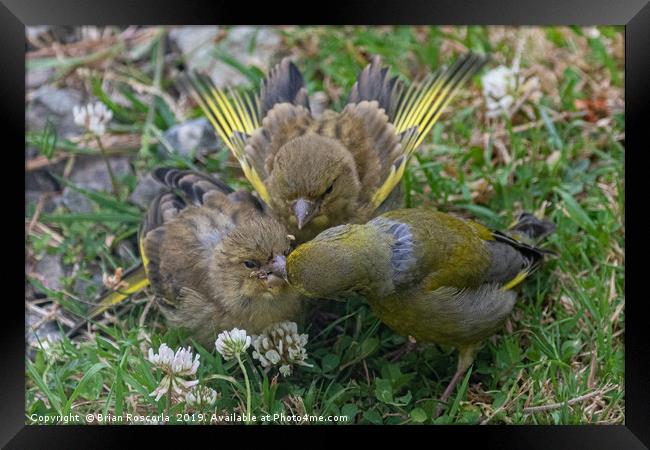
pixel 402 351
pixel 465 360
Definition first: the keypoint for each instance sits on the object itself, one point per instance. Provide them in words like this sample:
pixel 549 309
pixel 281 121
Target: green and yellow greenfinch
pixel 425 274
pixel 340 167
pixel 215 258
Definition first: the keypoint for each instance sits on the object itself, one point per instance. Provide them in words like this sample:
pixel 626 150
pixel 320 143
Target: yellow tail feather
pixel 231 117
pixel 135 280
pixel 521 276
pixel 418 111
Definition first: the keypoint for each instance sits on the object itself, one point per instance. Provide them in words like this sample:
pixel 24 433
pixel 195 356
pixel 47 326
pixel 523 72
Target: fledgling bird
pixel 215 258
pixel 339 167
pixel 425 274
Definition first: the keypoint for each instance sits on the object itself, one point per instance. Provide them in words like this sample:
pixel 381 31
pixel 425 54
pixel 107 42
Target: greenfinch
pixel 339 167
pixel 426 274
pixel 215 258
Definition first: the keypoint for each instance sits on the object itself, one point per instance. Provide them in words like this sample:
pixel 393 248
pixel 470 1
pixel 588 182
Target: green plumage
pixel 425 274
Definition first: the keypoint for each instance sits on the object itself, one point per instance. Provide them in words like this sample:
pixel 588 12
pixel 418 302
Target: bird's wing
pixel 414 111
pixel 514 257
pixel 363 128
pixel 191 188
pixel 235 116
pixel 282 123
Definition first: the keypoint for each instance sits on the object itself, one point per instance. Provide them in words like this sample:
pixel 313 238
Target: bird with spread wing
pixel 340 167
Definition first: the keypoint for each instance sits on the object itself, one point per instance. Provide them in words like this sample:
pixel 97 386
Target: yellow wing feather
pixel 232 117
pixel 418 110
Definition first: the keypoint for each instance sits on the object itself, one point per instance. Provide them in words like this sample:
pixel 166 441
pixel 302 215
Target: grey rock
pixel 39 180
pixel 76 201
pixel 39 333
pixel 145 191
pixel 236 43
pixel 51 203
pixel 38 77
pixel 92 174
pixel 48 102
pixel 197 45
pixel 192 137
pixel 50 268
pixel 125 250
pixel 84 287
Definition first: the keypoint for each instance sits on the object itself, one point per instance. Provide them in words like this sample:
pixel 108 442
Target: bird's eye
pixel 250 264
pixel 329 189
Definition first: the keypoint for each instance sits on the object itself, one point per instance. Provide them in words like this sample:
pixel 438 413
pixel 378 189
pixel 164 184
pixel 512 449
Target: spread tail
pixel 531 227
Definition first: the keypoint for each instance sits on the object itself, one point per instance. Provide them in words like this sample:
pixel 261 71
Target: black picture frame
pixel 634 14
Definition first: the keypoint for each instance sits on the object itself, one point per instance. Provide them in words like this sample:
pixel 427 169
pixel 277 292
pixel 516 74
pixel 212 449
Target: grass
pixel 564 339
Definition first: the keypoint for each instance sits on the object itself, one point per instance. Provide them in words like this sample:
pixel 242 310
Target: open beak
pixel 277 272
pixel 304 210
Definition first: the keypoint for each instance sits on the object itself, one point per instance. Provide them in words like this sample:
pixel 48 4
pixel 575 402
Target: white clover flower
pixel 93 117
pixel 231 343
pixel 280 344
pixel 499 86
pixel 593 32
pixel 201 396
pixel 176 367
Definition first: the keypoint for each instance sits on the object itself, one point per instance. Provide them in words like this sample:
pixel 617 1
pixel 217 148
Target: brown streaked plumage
pixel 215 258
pixel 339 167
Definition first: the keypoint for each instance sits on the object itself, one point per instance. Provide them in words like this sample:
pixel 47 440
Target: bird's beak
pixel 277 273
pixel 304 210
pixel 279 267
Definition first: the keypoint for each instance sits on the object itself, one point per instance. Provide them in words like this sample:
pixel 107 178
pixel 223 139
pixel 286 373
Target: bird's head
pixel 341 261
pixel 252 259
pixel 314 184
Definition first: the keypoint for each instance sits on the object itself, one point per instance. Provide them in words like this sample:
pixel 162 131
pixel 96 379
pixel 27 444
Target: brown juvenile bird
pixel 342 167
pixel 214 257
pixel 425 274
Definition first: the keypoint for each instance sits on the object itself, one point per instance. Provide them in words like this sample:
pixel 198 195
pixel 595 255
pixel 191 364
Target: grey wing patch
pixel 284 84
pixel 403 258
pixel 193 184
pixel 374 83
pixel 532 227
pixel 164 207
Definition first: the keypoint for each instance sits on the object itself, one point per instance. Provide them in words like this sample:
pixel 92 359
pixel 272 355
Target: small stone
pixel 125 250
pixel 75 201
pixel 91 174
pixel 56 105
pixel 38 77
pixel 197 44
pixel 50 269
pixel 194 136
pixel 89 287
pixel 45 334
pixel 145 191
